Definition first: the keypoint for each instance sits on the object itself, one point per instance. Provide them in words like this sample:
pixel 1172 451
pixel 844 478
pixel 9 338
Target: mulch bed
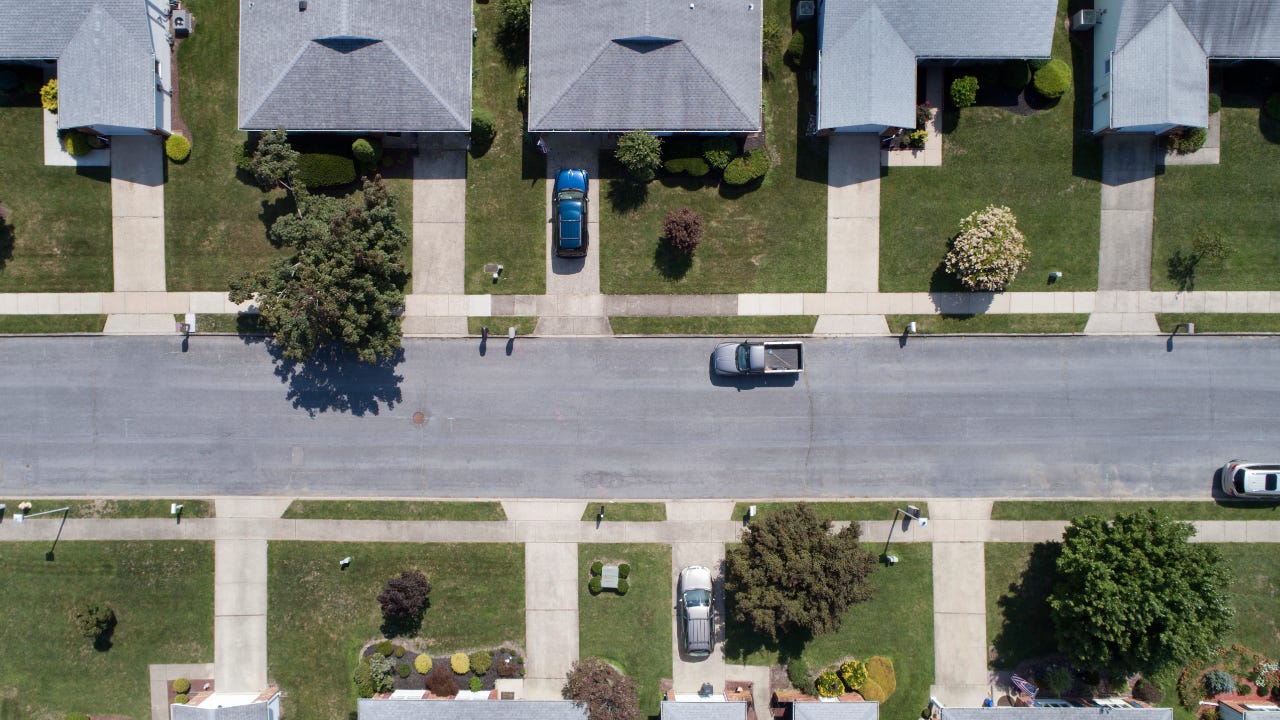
pixel 417 681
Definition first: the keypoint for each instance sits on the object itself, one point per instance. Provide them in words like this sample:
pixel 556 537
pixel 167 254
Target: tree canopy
pixel 792 574
pixel 404 599
pixel 606 693
pixel 1133 595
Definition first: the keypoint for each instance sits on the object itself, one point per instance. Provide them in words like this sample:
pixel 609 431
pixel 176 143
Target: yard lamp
pixel 911 513
pixel 20 517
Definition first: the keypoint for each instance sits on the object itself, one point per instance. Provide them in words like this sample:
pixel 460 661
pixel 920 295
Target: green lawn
pixel 1235 198
pixel 320 616
pixel 162 593
pixel 771 239
pixel 39 324
pixel 1012 324
pixel 1044 167
pixel 871 510
pixel 897 623
pixel 58 234
pixel 498 325
pixel 627 511
pixel 1177 510
pixel 738 325
pixel 631 631
pixel 394 510
pixel 1225 323
pixel 506 189
pixel 240 323
pixel 114 508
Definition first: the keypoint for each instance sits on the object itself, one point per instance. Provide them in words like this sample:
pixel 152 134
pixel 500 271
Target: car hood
pixel 726 358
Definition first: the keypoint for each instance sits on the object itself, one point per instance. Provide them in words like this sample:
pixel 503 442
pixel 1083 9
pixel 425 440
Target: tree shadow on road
pixel 335 381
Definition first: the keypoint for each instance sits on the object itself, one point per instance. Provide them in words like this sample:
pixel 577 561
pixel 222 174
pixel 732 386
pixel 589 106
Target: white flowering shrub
pixel 989 251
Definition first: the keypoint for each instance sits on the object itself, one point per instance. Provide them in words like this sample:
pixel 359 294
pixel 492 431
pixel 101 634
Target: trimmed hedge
pixel 1215 104
pixel 594 585
pixel 460 663
pixel 872 692
pixel 746 168
pixel 964 91
pixel 181 685
pixel 1186 141
pixel 694 166
pixel 1053 80
pixel 177 148
pixel 180 699
pixel 597 567
pixel 624 570
pixel 719 151
pixel 798 673
pixel 623 586
pixel 422 664
pixel 483 127
pixel 880 671
pixel 318 170
pixel 77 144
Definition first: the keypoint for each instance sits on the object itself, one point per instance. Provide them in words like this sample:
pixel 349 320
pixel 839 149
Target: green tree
pixel 606 693
pixel 343 282
pixel 641 154
pixel 1133 595
pixel 791 574
pixel 275 162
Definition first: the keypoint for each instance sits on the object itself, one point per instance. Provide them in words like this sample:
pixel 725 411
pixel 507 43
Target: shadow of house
pixel 404 707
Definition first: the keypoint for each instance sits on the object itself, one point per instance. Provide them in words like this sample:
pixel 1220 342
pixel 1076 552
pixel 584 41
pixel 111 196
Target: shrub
pixel 181 685
pixel 1215 103
pixel 177 148
pixel 1217 682
pixel 872 692
pixel 798 673
pixel 441 683
pixel 422 663
pixel 770 39
pixel 624 570
pixel 1209 713
pixel 597 567
pixel 623 587
pixel 799 53
pixel 640 154
pixel 366 151
pixel 853 674
pixel 522 87
pixel 1244 689
pixel 1272 107
pixel 917 138
pixel 1186 140
pixel 384 648
pixel 719 151
pixel 76 144
pixel 483 127
pixel 481 661
pixel 49 95
pixel 179 699
pixel 1056 680
pixel 1037 63
pixel 605 693
pixel 1190 690
pixel 989 251
pixel 508 663
pixel 372 675
pixel 828 685
pixel 96 621
pixel 460 663
pixel 1053 80
pixel 682 231
pixel 880 671
pixel 924 113
pixel 1015 75
pixel 964 91
pixel 696 166
pixel 242 156
pixel 594 586
pixel 1147 691
pixel 746 168
pixel 325 170
pixel 398 651
pixel 403 670
pixel 475 684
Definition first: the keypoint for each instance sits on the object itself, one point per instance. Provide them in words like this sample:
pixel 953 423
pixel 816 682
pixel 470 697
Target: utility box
pixel 804 9
pixel 182 23
pixel 1084 20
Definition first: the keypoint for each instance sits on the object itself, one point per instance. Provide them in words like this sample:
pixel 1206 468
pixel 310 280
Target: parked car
pixel 759 358
pixel 696 611
pixel 1251 480
pixel 570 213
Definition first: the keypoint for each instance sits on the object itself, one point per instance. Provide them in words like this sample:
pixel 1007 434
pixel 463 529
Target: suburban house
pixel 230 706
pixel 1151 57
pixel 112 59
pixel 703 707
pixel 666 66
pixel 1237 710
pixel 1055 712
pixel 868 51
pixel 475 709
pixel 358 66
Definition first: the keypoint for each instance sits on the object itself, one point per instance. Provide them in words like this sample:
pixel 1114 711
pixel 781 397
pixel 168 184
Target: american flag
pixel 1024 686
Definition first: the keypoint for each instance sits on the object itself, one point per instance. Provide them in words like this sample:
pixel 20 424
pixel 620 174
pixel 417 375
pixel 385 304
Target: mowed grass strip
pixel 714 325
pixel 162 594
pixel 632 631
pixel 320 616
pixel 51 324
pixel 1175 509
pixel 627 511
pixel 868 510
pixel 1221 323
pixel 113 508
pixel 996 324
pixel 394 510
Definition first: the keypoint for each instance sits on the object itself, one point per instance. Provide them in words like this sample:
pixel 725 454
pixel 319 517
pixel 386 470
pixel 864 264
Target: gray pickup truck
pixel 759 358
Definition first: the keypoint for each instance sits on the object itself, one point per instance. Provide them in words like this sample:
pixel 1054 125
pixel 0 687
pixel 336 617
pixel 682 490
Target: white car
pixel 1251 480
pixel 696 611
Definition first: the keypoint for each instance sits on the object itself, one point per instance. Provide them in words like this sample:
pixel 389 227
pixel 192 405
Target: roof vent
pixel 302 5
pixel 1084 20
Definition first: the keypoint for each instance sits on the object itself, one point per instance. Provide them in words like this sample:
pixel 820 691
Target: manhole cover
pixel 419 418
pixel 491 267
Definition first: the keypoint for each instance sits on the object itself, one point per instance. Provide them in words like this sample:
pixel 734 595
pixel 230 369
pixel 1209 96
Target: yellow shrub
pixel 880 670
pixel 460 663
pixel 422 664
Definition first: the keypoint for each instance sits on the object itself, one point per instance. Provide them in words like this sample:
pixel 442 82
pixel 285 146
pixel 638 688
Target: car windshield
pixel 1238 480
pixel 569 194
pixel 697 598
pixel 744 358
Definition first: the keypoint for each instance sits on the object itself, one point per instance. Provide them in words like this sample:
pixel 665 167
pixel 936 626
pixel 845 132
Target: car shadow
pixel 1261 506
pixel 567 265
pixel 749 382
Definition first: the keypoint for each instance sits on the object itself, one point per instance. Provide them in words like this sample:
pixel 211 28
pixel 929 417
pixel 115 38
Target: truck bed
pixel 783 357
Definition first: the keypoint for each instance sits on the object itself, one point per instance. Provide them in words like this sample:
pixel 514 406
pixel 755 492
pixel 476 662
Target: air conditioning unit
pixel 1084 20
pixel 804 9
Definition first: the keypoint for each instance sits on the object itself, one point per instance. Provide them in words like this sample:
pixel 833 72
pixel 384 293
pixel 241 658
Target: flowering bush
pixel 917 138
pixel 829 685
pixel 1267 674
pixel 989 251
pixel 924 113
pixel 49 95
pixel 853 674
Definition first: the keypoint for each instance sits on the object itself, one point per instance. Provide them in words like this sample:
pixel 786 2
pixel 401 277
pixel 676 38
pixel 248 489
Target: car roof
pixel 695 577
pixel 571 178
pixel 1257 478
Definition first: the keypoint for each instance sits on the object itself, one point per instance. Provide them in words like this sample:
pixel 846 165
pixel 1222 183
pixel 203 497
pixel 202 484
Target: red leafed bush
pixel 683 230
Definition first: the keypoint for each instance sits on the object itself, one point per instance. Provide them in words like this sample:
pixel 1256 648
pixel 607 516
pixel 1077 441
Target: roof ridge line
pixel 464 121
pixel 569 85
pixel 302 48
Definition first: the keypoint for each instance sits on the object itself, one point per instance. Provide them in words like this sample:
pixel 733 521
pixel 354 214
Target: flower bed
pixel 503 662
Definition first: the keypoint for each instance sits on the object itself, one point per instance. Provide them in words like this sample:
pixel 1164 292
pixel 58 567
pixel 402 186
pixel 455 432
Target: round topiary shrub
pixel 1272 107
pixel 475 684
pixel 853 674
pixel 1015 75
pixel 1244 689
pixel 422 664
pixel 177 148
pixel 1186 140
pixel 49 95
pixel 682 231
pixel 597 567
pixel 719 151
pixel 180 699
pixel 746 168
pixel 398 651
pixel 366 150
pixel 385 648
pixel 872 692
pixel 1215 103
pixel 481 660
pixel 964 91
pixel 880 671
pixel 1053 80
pixel 1147 691
pixel 181 685
pixel 460 663
pixel 1217 682
pixel 798 673
pixel 989 250
pixel 594 586
pixel 640 154
pixel 483 127
pixel 403 670
pixel 623 586
pixel 76 144
pixel 828 685
pixel 624 570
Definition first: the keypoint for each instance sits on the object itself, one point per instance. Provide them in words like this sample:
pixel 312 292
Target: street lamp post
pixel 20 517
pixel 911 513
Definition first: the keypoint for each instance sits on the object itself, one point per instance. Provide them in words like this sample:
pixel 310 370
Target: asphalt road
pixel 633 418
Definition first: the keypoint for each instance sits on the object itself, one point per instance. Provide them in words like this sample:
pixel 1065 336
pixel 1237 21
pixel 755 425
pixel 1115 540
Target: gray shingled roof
pixel 700 710
pixel 1160 69
pixel 1056 713
pixel 253 711
pixel 356 65
pixel 470 710
pixel 106 62
pixel 869 49
pixel 835 711
pixel 661 65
